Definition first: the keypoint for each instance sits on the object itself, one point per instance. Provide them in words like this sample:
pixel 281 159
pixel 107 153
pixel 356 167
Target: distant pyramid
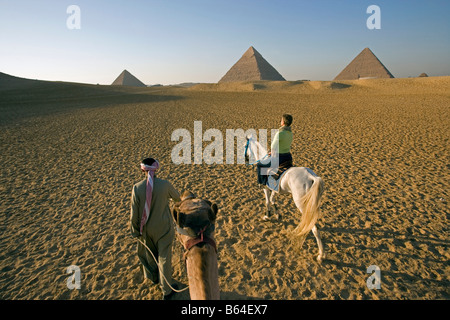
pixel 365 65
pixel 251 67
pixel 127 79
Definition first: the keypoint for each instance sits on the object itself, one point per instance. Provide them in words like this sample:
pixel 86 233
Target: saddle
pixel 282 168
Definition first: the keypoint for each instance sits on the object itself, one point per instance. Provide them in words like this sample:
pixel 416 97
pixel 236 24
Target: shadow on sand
pixel 40 98
pixel 397 275
pixel 223 296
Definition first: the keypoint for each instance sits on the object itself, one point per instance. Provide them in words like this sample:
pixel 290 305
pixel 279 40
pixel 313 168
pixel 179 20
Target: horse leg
pixel 272 203
pixel 267 215
pixel 316 233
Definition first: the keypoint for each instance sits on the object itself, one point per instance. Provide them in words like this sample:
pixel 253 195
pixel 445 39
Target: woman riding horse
pixel 281 142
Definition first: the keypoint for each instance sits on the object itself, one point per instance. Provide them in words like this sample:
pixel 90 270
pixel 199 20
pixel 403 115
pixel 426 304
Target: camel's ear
pixel 213 212
pixel 208 202
pixel 181 219
pixel 175 212
pixel 178 216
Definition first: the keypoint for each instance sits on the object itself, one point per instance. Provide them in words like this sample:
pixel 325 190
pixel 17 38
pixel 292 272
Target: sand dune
pixel 421 85
pixel 70 156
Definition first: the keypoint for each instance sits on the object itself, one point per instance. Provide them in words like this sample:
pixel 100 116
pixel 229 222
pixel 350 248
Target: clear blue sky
pixel 173 41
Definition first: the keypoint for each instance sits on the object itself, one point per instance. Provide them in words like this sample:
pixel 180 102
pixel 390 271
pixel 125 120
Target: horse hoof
pixel 320 257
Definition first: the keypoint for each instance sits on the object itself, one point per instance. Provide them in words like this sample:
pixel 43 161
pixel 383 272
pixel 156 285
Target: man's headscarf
pixel 148 198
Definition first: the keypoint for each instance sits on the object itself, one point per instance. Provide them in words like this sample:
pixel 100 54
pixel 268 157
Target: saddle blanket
pixel 274 184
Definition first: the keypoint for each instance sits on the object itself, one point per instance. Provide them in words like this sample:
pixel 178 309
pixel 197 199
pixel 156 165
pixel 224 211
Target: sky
pixel 175 41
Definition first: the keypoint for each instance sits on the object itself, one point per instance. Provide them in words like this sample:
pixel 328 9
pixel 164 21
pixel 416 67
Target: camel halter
pixel 201 238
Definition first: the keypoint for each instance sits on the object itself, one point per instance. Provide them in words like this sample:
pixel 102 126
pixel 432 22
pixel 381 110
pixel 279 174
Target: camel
pixel 194 220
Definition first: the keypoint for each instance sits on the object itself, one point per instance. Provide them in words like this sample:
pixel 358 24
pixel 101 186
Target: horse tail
pixel 309 206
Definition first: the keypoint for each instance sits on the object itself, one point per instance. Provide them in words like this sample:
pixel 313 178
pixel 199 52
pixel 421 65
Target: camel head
pixel 194 215
pixel 195 225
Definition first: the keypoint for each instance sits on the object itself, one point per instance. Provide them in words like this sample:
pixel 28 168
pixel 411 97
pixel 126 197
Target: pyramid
pixel 251 67
pixel 365 65
pixel 127 79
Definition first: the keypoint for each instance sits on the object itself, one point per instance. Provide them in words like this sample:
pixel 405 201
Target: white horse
pixel 306 189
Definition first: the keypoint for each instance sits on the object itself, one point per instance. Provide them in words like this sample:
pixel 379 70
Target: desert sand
pixel 70 156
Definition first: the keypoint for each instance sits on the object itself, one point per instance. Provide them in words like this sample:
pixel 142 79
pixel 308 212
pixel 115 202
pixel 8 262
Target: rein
pixel 160 270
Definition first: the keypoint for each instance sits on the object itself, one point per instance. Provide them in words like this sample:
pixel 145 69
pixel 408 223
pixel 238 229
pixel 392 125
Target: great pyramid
pixel 127 79
pixel 365 65
pixel 251 67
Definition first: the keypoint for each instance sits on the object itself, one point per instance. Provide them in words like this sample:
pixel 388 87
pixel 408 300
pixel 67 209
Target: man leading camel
pixel 151 222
